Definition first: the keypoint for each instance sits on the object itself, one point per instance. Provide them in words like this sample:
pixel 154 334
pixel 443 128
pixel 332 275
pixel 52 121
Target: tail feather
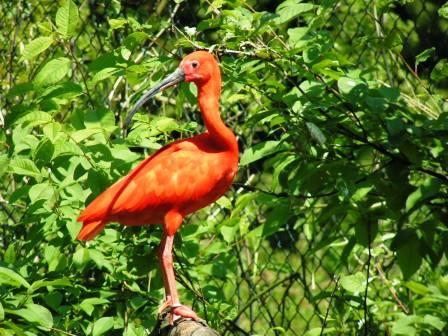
pixel 90 230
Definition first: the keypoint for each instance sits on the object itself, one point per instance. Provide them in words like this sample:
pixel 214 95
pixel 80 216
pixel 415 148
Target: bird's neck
pixel 219 133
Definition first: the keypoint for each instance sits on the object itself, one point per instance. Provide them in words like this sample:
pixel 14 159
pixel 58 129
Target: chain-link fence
pixel 288 279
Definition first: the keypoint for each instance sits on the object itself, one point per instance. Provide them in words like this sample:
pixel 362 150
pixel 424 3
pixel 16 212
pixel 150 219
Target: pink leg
pixel 177 310
pixel 168 301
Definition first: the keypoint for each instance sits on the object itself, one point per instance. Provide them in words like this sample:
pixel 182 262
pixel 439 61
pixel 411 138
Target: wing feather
pixel 183 174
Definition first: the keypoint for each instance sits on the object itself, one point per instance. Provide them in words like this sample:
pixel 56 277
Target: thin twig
pixel 13 44
pixel 392 290
pixel 282 194
pixel 81 71
pixel 380 35
pixel 324 324
pixel 366 315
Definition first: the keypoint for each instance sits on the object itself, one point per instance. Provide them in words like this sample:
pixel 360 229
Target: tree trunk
pixel 184 327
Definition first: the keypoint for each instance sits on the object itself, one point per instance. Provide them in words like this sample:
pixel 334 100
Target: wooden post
pixel 184 327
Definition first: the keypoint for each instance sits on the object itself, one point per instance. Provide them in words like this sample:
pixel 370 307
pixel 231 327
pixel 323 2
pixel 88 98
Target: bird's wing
pixel 174 176
pixel 101 206
pixel 184 175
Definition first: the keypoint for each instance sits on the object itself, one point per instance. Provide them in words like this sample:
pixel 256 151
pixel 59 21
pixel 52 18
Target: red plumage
pixel 177 180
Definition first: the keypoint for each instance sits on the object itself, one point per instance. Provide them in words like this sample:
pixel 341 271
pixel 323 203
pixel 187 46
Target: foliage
pixel 335 153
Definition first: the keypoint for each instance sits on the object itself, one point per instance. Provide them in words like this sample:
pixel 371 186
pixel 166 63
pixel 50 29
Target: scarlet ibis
pixel 179 179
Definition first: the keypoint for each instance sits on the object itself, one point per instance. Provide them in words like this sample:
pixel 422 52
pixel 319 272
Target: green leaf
pixel 403 326
pixel 81 257
pixel 290 9
pixel 417 287
pixel 228 232
pixel 434 321
pixel 117 23
pixel 4 161
pixel 88 304
pixel 53 72
pixel 73 228
pixel 423 56
pixel 10 255
pixel 316 133
pixel 261 150
pixel 63 147
pixel 67 19
pixel 67 90
pixel 135 40
pixel 35 47
pixel 9 277
pixel 346 84
pixel 314 332
pixel 35 313
pixel 276 219
pixel 34 118
pixel 100 260
pixel 52 130
pixel 361 193
pixel 163 125
pixel 44 151
pixel 101 118
pixel 409 257
pixel 24 167
pixel 102 325
pixel 355 283
pixel 84 134
pixel 48 283
pixel 443 11
pixel 41 191
pixel 298 37
pixel 440 71
pixel 106 73
pixel 429 188
pixel 362 232
pixel 2 312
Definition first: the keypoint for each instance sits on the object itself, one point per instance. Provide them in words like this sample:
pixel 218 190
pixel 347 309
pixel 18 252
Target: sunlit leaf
pixel 355 283
pixel 102 325
pixel 261 150
pixel 36 314
pixel 36 47
pixel 67 19
pixel 53 71
pixel 290 9
pixel 9 277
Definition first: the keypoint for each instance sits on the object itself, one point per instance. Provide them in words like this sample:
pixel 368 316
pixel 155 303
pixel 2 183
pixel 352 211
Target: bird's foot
pixel 183 311
pixel 177 311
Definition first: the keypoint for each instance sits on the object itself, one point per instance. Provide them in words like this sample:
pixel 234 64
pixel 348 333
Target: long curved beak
pixel 175 78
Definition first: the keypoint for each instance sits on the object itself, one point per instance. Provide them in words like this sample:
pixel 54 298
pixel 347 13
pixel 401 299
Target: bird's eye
pixel 195 64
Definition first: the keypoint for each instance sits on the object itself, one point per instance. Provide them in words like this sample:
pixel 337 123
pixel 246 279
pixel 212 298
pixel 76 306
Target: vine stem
pixel 369 258
pixel 324 324
pixel 81 71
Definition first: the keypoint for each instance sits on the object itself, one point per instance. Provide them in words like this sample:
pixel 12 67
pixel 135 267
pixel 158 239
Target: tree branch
pixel 183 327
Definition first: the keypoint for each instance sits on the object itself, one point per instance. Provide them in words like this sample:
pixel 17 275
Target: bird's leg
pixel 172 303
pixel 168 301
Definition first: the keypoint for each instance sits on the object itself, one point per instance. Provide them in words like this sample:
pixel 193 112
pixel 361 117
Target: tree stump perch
pixel 183 327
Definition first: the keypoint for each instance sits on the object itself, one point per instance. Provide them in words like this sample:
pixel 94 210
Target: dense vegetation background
pixel 337 223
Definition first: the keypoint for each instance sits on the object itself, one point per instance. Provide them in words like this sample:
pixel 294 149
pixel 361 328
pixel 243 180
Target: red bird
pixel 179 179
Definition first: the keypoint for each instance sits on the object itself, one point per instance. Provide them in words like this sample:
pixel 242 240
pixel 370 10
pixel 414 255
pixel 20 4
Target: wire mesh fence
pixel 288 279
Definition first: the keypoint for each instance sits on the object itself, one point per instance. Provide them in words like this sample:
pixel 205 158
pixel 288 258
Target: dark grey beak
pixel 175 78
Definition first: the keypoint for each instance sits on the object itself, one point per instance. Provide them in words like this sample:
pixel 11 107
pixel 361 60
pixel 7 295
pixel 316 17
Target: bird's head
pixel 198 67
